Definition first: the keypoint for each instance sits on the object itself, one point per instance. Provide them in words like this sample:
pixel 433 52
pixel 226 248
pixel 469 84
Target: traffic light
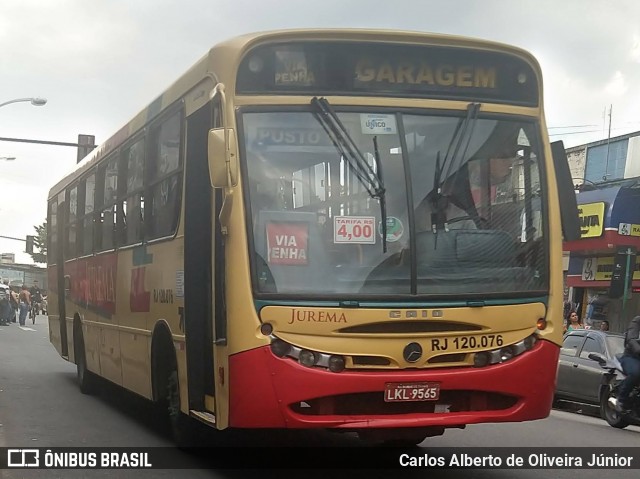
pixel 30 244
pixel 86 144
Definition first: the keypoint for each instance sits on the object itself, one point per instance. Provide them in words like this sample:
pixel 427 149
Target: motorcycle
pixel 608 393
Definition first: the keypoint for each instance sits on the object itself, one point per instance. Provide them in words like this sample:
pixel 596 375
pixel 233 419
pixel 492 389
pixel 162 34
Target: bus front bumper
pixel 271 392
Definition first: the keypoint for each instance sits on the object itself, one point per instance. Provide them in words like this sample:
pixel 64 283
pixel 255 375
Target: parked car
pixel 580 378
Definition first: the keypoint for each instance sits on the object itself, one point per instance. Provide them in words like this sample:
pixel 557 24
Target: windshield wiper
pixel 439 202
pixel 382 198
pixel 371 180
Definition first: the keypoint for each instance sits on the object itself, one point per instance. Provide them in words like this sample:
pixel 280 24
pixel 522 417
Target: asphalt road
pixel 41 406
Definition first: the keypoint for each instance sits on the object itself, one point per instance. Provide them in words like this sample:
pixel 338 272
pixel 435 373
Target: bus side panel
pixel 264 387
pixel 91 335
pixel 84 285
pixel 135 337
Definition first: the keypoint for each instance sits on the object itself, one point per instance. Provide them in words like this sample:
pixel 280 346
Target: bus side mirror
pixel 566 193
pixel 223 158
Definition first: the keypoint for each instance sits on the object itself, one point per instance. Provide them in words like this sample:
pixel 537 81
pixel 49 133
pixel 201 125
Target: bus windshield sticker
pixel 287 243
pixel 523 140
pixel 395 229
pixel 378 124
pixel 354 229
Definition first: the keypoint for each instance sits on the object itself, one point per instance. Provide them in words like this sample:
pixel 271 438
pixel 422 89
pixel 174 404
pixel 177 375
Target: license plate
pixel 399 392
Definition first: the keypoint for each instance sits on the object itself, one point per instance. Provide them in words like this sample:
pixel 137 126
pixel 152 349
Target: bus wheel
pixel 86 379
pixel 179 423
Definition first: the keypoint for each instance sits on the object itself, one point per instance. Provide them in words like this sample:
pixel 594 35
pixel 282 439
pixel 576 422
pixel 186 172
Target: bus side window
pixel 133 204
pixel 165 178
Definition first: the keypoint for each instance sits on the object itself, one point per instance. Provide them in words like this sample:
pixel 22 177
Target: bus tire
pixel 179 423
pixel 167 390
pixel 86 379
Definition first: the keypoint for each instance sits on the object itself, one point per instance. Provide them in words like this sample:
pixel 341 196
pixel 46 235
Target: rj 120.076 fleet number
pixel 467 342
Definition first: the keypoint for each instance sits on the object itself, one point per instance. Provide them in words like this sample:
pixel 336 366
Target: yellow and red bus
pixel 343 229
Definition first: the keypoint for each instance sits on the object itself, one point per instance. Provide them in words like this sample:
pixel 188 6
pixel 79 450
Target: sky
pixel 99 62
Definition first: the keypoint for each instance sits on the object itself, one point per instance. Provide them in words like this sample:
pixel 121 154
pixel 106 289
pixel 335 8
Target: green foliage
pixel 39 254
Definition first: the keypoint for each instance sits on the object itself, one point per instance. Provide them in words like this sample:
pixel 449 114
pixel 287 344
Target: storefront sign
pixel 601 269
pixel 628 229
pixel 591 219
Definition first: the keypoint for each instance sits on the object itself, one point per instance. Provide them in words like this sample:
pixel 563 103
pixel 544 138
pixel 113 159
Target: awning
pixel 609 217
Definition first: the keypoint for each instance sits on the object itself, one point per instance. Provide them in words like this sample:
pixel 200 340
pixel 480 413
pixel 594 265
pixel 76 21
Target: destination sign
pixel 354 68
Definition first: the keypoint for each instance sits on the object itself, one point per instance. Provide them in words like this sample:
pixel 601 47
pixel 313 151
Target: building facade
pixel 27 274
pixel 607 178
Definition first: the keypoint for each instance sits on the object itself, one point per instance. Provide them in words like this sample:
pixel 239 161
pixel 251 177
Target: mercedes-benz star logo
pixel 412 352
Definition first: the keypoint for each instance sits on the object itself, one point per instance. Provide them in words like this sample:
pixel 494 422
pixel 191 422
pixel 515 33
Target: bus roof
pixel 222 60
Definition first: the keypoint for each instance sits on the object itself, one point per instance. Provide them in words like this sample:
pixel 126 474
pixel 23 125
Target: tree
pixel 39 255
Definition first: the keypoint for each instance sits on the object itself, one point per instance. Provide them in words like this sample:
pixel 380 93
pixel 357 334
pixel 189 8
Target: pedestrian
pixel 25 304
pixel 592 300
pixel 15 302
pixel 566 308
pixel 604 325
pixel 5 305
pixel 574 322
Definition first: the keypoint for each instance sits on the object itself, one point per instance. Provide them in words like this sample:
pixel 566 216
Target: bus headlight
pixel 336 363
pixel 307 358
pixel 333 362
pixel 481 359
pixel 496 356
pixel 506 353
pixel 280 348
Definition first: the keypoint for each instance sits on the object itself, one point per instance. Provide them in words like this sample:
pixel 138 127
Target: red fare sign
pixel 287 243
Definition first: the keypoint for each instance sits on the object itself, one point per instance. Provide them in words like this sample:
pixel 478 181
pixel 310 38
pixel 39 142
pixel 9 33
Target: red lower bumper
pixel 266 391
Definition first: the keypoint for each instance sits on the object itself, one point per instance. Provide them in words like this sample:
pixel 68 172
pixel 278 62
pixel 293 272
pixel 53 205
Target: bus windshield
pixel 462 194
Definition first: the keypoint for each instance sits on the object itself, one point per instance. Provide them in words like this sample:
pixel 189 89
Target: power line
pixel 587 131
pixel 573 133
pixel 571 126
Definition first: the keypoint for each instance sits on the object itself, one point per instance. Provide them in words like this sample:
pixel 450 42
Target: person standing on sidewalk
pixel 25 304
pixel 15 304
pixel 5 306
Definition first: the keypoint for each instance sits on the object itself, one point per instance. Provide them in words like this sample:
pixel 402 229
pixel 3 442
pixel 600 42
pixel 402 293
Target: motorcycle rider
pixel 630 362
pixel 36 298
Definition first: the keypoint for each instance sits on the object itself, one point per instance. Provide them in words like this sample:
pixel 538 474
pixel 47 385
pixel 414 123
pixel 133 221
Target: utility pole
pixel 624 266
pixel 630 254
pixel 606 166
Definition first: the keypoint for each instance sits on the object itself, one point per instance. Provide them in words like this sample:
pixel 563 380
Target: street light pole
pixel 35 101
